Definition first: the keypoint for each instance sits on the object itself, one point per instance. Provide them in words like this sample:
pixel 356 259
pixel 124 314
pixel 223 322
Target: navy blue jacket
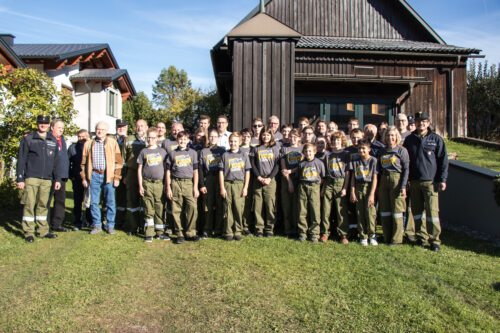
pixel 63 154
pixel 38 158
pixel 75 152
pixel 428 157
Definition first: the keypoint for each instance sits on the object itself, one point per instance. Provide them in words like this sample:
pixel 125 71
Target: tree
pixel 211 105
pixel 175 97
pixel 140 107
pixel 24 95
pixel 483 99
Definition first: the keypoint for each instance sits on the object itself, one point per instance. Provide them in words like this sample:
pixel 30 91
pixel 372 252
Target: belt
pixel 233 181
pixel 303 182
pixel 153 180
pixel 100 172
pixel 183 179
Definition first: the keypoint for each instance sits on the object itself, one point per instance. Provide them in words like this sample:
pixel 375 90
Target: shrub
pixel 9 195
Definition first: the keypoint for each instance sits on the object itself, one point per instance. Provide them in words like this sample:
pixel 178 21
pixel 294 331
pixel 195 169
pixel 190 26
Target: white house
pixel 89 72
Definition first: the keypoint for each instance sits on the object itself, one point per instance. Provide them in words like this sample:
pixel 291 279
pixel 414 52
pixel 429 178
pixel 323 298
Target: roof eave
pixel 420 19
pixel 18 62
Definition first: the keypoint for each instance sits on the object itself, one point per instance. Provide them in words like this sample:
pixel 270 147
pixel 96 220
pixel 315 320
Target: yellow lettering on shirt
pixel 266 156
pixel 183 161
pixel 294 158
pixel 361 172
pixel 310 172
pixel 236 164
pixel 335 165
pixel 213 160
pixel 388 161
pixel 153 159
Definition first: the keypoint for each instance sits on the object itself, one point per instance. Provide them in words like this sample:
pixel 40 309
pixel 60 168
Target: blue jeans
pixel 98 183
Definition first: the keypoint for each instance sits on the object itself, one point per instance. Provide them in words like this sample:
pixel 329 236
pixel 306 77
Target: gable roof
pixel 365 44
pixel 11 55
pixel 263 25
pixel 99 74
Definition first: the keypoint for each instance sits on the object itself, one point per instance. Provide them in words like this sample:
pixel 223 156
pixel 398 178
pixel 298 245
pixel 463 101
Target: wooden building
pixel 338 59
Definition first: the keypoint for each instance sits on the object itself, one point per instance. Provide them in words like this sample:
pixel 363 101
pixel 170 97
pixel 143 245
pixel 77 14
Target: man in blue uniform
pixel 428 174
pixel 38 162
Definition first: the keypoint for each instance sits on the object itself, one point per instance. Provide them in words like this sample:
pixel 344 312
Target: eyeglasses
pixel 152 137
pixel 274 123
pixel 258 126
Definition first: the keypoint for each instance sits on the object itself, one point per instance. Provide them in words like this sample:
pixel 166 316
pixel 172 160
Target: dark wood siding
pixel 348 18
pixel 263 82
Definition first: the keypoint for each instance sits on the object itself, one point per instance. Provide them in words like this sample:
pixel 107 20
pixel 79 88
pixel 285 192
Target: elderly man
pixel 224 134
pixel 101 171
pixel 371 135
pixel 135 143
pixel 273 123
pixel 171 144
pixel 402 125
pixel 428 174
pixel 58 212
pixel 38 163
pixel 75 153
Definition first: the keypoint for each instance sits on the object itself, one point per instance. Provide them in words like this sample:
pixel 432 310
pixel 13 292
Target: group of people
pixel 258 181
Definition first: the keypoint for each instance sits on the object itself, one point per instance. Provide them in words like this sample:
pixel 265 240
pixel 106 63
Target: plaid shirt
pixel 98 155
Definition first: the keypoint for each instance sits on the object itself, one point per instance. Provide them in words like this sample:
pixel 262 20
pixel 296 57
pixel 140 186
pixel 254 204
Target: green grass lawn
pixel 80 283
pixel 477 155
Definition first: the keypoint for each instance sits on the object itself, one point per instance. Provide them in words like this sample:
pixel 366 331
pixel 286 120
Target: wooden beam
pixel 62 64
pixel 125 96
pixel 100 54
pixel 75 61
pixel 89 57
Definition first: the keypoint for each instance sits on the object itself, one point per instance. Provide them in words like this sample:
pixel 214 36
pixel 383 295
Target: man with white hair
pixel 273 123
pixel 402 125
pixel 101 171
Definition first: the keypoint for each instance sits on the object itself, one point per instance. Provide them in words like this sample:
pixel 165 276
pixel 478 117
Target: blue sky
pixel 146 36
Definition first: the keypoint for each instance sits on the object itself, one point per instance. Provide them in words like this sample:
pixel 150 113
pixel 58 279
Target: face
pixel 391 138
pixel 183 141
pixel 204 123
pixel 122 130
pixel 295 140
pixel 176 128
pixel 411 127
pixel 355 138
pixel 364 151
pixel 321 145
pixel 274 124
pixel 266 138
pixel 162 129
pixel 257 127
pixel 310 153
pixel 43 128
pixel 84 136
pixel 222 125
pixel 423 125
pixel 152 138
pixel 101 132
pixel 58 129
pixel 234 143
pixel 371 132
pixel 247 138
pixel 286 132
pixel 199 137
pixel 401 124
pixel 321 128
pixel 141 127
pixel 213 138
pixel 336 143
pixel 308 136
pixel 303 124
pixel 332 127
pixel 352 125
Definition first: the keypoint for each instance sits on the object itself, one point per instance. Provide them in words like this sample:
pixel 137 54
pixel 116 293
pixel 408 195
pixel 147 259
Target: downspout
pixel 451 108
pixel 262 6
pixel 89 106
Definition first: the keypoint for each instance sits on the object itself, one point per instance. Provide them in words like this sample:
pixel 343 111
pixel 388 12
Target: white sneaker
pixel 373 241
pixel 363 242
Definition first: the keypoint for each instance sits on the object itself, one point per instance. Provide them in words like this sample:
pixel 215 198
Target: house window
pixel 111 103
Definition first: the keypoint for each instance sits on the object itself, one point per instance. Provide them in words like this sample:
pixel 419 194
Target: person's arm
pixel 83 170
pixel 255 170
pixel 168 187
pixel 373 188
pixel 353 188
pixel 405 170
pixel 442 164
pixel 244 192
pixel 201 176
pixel 196 192
pixel 139 179
pixel 22 158
pixel 221 184
pixel 275 171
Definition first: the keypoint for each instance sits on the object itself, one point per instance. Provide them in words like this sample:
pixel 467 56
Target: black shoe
pixel 163 237
pixel 259 234
pixel 50 235
pixel 421 243
pixel 435 247
pixel 60 229
pixel 179 240
pixel 237 238
pixel 29 239
pixel 268 234
pixel 228 238
pixel 193 239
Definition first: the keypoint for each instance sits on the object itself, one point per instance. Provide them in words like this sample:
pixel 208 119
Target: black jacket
pixel 75 152
pixel 38 158
pixel 63 154
pixel 428 157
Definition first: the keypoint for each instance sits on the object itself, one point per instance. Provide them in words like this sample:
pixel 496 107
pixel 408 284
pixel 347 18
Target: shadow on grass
pixel 11 222
pixel 462 241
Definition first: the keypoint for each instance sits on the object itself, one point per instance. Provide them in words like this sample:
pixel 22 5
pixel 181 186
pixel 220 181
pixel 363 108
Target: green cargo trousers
pixel 391 206
pixel 332 194
pixel 424 196
pixel 153 207
pixel 366 215
pixel 133 202
pixel 36 199
pixel 234 205
pixel 121 205
pixel 213 206
pixel 289 205
pixel 309 209
pixel 184 207
pixel 264 204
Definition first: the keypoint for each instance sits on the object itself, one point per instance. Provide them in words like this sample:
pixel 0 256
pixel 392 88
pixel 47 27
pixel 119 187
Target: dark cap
pixel 121 123
pixel 43 119
pixel 411 120
pixel 421 116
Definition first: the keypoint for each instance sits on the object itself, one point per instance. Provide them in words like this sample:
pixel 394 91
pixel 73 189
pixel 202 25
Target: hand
pixel 266 181
pixel 442 187
pixel 371 200
pixel 116 183
pixel 141 190
pixel 85 184
pixel 353 197
pixel 244 193
pixel 196 193
pixel 20 185
pixel 223 193
pixel 343 193
pixel 170 195
pixel 203 190
pixel 403 193
pixel 57 186
pixel 286 172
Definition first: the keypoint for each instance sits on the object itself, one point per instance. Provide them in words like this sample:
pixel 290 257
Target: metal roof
pixel 99 74
pixel 56 51
pixel 363 44
pixel 10 53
